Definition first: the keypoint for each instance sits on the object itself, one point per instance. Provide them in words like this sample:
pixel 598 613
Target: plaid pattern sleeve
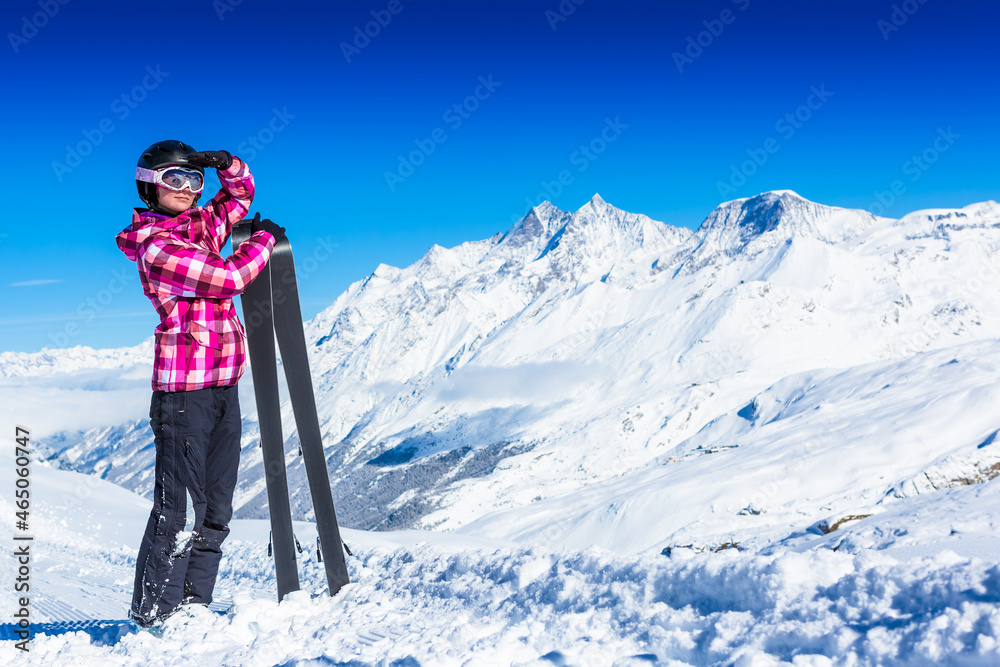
pixel 186 270
pixel 232 203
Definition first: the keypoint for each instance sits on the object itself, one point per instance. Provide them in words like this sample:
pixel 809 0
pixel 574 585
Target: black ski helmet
pixel 170 153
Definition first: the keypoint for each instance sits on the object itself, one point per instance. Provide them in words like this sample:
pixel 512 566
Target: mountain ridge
pixel 487 377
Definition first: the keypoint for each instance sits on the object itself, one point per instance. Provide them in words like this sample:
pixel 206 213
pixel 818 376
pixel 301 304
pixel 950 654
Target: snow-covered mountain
pixel 598 377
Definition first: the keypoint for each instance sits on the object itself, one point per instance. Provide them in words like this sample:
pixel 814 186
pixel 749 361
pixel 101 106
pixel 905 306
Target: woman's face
pixel 175 201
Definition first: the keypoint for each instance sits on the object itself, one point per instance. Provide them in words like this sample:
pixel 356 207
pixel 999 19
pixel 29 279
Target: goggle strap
pixel 145 175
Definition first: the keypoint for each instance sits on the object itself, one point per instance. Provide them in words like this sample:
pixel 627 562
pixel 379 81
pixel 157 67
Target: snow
pixel 421 598
pixel 814 445
pixel 597 439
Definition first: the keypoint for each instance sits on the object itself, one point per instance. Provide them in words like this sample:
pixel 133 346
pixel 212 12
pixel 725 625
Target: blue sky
pixel 449 119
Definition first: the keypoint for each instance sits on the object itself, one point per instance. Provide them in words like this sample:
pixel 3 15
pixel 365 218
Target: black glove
pixel 213 159
pixel 267 225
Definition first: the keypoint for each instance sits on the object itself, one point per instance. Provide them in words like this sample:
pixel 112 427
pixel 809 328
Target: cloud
pixel 75 401
pixel 32 283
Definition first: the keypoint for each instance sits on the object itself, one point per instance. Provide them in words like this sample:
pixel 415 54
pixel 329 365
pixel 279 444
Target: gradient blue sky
pixel 343 125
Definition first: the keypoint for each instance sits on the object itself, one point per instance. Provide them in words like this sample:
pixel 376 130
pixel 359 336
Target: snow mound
pixel 421 605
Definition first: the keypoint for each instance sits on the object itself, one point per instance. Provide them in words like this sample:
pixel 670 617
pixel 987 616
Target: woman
pixel 199 358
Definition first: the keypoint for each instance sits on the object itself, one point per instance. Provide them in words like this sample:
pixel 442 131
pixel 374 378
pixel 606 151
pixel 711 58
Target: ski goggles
pixel 172 178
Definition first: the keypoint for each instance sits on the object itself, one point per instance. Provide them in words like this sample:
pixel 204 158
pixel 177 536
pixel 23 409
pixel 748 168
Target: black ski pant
pixel 197 439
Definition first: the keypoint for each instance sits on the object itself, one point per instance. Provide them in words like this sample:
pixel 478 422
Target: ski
pixel 294 358
pixel 271 308
pixel 259 325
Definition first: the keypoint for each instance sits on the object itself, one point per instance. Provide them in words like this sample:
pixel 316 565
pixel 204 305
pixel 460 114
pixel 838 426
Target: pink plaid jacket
pixel 200 341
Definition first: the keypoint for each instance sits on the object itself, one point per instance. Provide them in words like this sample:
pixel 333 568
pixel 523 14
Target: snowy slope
pixel 814 448
pixel 433 599
pixel 597 377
